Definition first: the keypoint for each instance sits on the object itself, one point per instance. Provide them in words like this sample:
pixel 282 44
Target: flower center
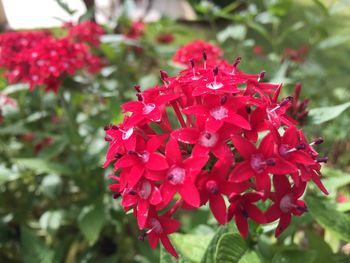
pixel 208 139
pixel 257 163
pixel 176 175
pixel 214 85
pixel 284 150
pixel 286 203
pixel 126 135
pixel 212 187
pixel 148 108
pixel 219 113
pixel 156 226
pixel 144 156
pixel 145 190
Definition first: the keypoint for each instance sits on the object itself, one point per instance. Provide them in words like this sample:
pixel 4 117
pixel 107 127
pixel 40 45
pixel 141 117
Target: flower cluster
pixel 136 30
pixel 37 58
pixel 232 140
pixel 88 32
pixel 195 50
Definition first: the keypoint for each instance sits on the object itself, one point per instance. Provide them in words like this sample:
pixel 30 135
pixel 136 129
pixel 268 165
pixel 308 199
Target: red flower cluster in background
pixel 88 32
pixel 136 30
pixel 37 58
pixel 296 55
pixel 194 51
pixel 232 140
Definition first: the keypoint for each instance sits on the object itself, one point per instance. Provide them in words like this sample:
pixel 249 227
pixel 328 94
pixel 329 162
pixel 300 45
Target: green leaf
pixel 250 257
pixel 7 175
pixel 334 179
pixel 293 256
pixel 65 7
pixel 33 248
pixel 333 41
pixel 209 255
pixel 190 246
pixel 324 252
pixel 328 217
pixel 237 32
pixel 165 257
pixel 51 185
pixel 43 166
pixel 51 220
pixel 324 114
pixel 91 221
pixel 230 249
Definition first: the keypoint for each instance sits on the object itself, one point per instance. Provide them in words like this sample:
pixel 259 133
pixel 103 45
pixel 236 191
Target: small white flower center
pixel 176 175
pixel 148 108
pixel 257 163
pixel 208 139
pixel 144 156
pixel 286 203
pixel 156 226
pixel 284 150
pixel 214 85
pixel 126 135
pixel 219 113
pixel 145 190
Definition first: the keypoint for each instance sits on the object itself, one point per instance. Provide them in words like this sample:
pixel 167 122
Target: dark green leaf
pixel 293 256
pixel 209 255
pixel 324 252
pixel 34 249
pixel 91 221
pixel 230 249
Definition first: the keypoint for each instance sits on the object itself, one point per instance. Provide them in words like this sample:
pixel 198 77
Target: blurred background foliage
pixel 54 202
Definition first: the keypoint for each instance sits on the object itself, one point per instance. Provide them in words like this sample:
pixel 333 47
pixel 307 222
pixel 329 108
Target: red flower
pixel 159 229
pixel 214 185
pixel 258 162
pixel 136 30
pixel 181 175
pixel 241 208
pixel 286 202
pixel 258 50
pixel 165 38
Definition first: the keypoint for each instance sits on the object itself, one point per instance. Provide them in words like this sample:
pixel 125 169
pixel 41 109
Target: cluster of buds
pixel 37 58
pixel 210 135
pixel 296 55
pixel 299 109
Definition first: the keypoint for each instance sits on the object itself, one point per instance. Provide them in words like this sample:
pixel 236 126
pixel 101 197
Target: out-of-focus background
pixel 55 205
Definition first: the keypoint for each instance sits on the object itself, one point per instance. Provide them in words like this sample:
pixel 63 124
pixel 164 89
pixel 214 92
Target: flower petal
pixel 157 162
pixel 218 207
pixel 189 193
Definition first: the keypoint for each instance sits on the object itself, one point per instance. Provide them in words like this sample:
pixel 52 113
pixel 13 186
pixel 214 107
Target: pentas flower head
pixel 195 51
pixel 135 30
pixel 87 31
pixel 47 60
pixel 194 140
